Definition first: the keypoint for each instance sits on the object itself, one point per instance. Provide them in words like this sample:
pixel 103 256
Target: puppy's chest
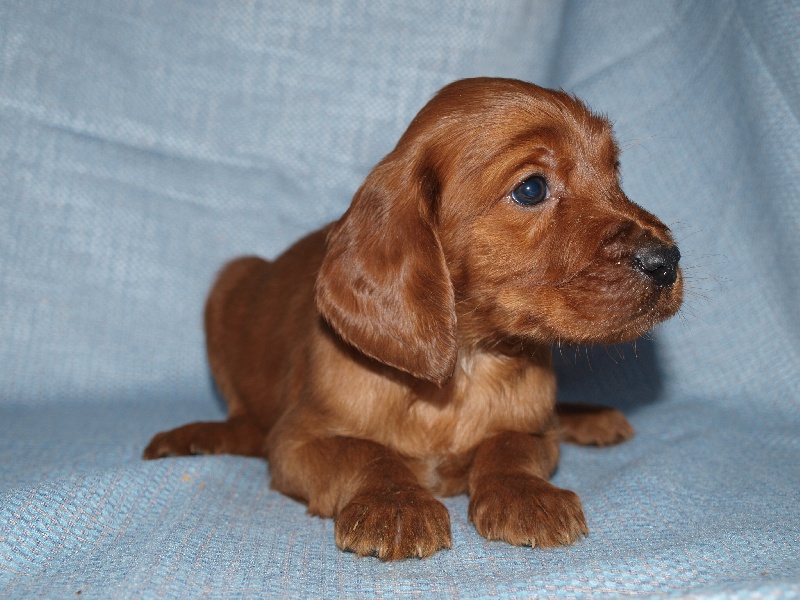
pixel 439 442
pixel 481 400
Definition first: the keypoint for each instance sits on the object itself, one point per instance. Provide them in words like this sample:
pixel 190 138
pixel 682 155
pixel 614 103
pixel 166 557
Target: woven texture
pixel 144 143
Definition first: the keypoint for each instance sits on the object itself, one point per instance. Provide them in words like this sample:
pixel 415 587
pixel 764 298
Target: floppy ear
pixel 384 285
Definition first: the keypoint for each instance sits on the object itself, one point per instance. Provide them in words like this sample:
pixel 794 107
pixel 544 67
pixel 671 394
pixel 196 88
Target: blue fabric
pixel 144 143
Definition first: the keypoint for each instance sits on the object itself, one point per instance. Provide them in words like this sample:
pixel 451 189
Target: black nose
pixel 659 263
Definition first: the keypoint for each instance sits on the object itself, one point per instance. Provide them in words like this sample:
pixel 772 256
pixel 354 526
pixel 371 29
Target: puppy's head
pixel 498 216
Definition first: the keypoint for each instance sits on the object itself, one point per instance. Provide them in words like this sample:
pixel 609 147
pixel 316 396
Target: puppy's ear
pixel 384 285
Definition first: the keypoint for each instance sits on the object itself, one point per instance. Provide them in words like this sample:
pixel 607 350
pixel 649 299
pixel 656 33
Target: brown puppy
pixel 404 351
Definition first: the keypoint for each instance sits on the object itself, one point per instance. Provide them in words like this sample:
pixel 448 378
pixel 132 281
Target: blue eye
pixel 531 191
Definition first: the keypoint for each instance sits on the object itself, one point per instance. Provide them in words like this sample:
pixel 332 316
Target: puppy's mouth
pixel 618 302
pixel 616 296
pixel 659 303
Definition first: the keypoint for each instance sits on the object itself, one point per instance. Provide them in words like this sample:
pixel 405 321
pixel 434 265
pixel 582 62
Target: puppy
pixel 403 352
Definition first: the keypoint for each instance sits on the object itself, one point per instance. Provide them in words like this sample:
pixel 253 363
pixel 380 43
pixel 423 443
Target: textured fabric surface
pixel 144 143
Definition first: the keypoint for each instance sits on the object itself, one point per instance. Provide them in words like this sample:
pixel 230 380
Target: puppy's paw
pixel 235 436
pixel 526 511
pixel 406 522
pixel 166 444
pixel 588 425
pixel 191 439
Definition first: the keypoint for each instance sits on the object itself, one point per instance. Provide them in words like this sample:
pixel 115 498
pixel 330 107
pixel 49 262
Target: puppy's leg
pixel 511 499
pixel 237 435
pixel 590 425
pixel 379 507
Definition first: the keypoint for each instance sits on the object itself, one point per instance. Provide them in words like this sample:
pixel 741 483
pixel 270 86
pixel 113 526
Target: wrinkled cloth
pixel 145 143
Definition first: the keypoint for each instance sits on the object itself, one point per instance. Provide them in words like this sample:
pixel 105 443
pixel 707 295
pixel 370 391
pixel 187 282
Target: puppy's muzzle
pixel 659 263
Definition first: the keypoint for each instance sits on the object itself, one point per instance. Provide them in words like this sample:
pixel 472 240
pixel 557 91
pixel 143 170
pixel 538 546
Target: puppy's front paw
pixel 393 524
pixel 526 511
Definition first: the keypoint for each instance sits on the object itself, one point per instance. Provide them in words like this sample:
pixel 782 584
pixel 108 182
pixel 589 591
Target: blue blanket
pixel 144 143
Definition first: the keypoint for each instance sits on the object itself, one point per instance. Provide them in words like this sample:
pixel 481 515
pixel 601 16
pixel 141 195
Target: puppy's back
pixel 256 313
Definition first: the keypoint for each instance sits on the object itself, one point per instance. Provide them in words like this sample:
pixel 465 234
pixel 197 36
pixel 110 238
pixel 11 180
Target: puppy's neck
pixel 515 353
pixel 481 365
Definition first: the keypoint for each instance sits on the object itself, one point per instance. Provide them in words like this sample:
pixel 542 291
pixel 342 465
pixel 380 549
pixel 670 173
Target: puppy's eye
pixel 531 191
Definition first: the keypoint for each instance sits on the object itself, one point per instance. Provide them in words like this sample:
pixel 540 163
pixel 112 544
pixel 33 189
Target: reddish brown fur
pixel 404 351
